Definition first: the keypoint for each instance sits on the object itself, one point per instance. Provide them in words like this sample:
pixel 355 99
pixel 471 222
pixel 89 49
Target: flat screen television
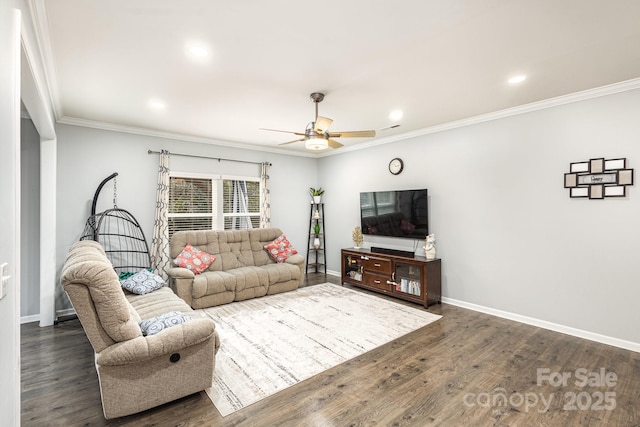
pixel 400 213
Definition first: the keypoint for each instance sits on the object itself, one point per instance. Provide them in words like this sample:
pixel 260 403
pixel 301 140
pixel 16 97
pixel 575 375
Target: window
pixel 213 203
pixel 241 204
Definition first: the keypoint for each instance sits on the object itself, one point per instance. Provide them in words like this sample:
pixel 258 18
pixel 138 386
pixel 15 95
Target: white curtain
pixel 240 205
pixel 265 197
pixel 160 244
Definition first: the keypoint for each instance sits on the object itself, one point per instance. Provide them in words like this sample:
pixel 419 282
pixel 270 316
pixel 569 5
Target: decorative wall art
pixel 598 178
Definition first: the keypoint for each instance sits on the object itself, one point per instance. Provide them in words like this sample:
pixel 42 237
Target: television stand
pixel 395 252
pixel 414 278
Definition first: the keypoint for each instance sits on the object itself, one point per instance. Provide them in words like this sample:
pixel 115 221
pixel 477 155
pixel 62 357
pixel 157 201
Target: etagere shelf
pixel 316 245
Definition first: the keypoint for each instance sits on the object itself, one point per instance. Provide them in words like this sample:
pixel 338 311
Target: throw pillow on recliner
pixel 164 321
pixel 143 282
pixel 194 259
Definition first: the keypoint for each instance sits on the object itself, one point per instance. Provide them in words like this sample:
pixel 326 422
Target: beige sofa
pixel 242 269
pixel 136 372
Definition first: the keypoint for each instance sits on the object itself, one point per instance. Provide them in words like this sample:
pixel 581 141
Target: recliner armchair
pixel 136 372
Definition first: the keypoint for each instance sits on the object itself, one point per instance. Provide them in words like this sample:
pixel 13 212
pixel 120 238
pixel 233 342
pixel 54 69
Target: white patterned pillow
pixel 164 321
pixel 143 282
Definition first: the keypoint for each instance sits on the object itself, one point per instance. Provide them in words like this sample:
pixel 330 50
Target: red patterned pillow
pixel 280 249
pixel 194 259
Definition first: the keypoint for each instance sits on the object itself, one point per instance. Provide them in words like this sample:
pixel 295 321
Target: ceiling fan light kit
pixel 316 143
pixel 316 136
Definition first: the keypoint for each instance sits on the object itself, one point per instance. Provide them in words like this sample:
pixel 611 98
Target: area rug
pixel 274 342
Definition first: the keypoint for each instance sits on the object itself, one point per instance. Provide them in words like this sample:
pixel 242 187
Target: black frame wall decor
pixel 598 178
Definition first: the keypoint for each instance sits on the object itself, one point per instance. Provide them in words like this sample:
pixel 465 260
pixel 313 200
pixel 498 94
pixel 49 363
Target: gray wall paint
pixel 86 156
pixel 509 235
pixel 30 219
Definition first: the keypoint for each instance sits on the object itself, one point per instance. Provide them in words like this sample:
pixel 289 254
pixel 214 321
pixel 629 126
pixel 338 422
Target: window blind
pixel 192 204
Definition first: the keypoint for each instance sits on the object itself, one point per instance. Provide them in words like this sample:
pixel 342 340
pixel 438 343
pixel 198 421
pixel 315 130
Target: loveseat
pixel 242 268
pixel 136 372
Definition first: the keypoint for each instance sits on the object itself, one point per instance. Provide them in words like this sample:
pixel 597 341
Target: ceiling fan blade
pixel 285 131
pixel 291 142
pixel 322 124
pixel 353 134
pixel 334 144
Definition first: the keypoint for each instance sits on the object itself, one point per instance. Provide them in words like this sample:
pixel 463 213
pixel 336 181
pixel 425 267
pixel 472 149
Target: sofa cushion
pixel 166 320
pixel 259 238
pixel 212 282
pixel 154 304
pixel 194 259
pixel 251 282
pixel 282 272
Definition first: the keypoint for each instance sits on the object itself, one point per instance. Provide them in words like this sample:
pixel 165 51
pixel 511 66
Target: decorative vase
pixel 316 242
pixel 317 199
pixel 430 247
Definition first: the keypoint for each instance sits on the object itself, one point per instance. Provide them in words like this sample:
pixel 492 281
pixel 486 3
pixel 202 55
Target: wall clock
pixel 396 165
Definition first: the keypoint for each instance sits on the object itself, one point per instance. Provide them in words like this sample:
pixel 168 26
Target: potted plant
pixel 316 194
pixel 316 231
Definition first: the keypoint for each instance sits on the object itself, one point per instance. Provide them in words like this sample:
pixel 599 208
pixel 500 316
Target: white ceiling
pixel 438 61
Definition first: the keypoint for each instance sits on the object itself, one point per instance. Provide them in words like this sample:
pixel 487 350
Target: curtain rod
pixel 207 157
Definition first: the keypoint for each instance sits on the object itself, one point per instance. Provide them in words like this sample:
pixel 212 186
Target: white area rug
pixel 274 342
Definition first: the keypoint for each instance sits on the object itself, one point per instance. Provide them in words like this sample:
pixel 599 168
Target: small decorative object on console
pixel 356 235
pixel 430 246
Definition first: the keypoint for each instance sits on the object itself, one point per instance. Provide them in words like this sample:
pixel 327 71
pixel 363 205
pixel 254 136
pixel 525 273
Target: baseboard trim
pixel 563 329
pixel 568 330
pixel 29 319
pixel 36 317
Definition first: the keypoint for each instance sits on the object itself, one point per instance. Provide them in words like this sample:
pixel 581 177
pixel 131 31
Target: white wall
pixel 509 236
pixel 9 211
pixel 30 220
pixel 86 156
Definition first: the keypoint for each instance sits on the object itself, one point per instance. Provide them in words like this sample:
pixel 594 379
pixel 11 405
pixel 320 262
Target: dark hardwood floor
pixel 467 369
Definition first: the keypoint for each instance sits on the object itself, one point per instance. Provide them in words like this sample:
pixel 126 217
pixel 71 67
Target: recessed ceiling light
pixel 197 50
pixel 157 104
pixel 395 115
pixel 517 79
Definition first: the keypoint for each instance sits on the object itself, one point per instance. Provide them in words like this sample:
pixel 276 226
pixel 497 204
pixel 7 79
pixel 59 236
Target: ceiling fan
pixel 316 134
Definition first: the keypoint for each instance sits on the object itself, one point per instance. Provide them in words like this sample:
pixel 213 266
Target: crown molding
pixel 74 121
pixel 584 95
pixel 40 24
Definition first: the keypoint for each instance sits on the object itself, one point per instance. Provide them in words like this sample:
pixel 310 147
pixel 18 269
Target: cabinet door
pixel 352 265
pixel 409 279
